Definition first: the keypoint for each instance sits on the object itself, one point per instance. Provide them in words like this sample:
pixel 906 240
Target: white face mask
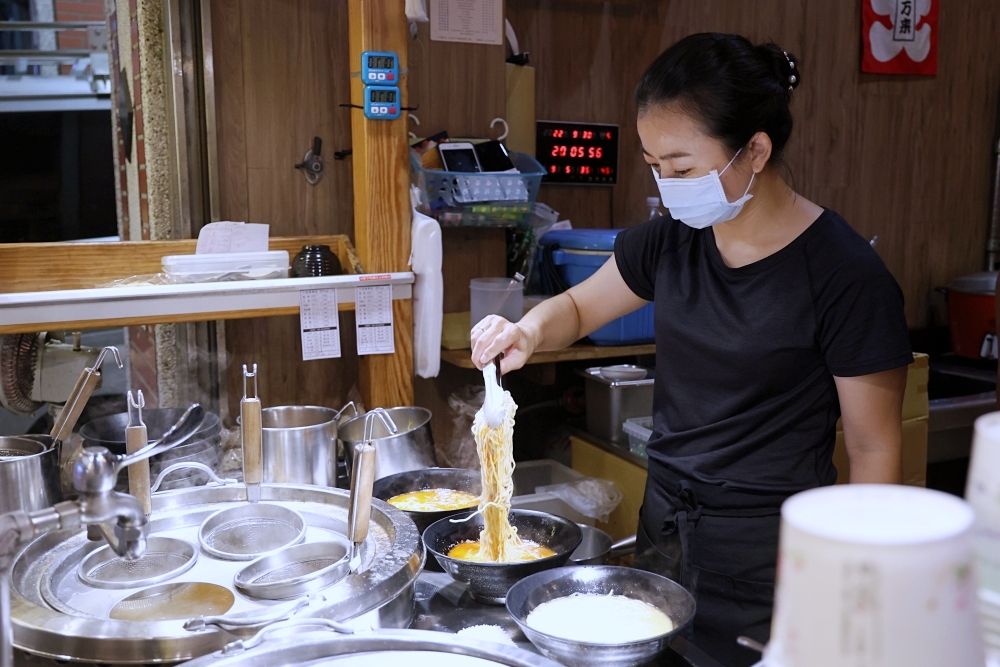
pixel 700 202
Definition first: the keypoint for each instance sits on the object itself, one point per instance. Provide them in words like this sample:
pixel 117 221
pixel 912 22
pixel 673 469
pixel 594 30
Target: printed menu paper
pixel 473 21
pixel 373 314
pixel 320 324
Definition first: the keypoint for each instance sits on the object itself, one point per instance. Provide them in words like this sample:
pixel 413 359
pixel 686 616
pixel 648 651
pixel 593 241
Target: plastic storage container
pixel 495 296
pixel 478 199
pixel 639 430
pixel 574 255
pixel 529 475
pixel 218 267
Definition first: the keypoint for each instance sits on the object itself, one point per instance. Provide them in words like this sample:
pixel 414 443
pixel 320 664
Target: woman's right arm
pixel 557 322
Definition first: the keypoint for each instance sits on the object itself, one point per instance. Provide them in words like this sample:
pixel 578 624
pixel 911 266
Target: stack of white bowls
pixel 983 493
pixel 875 575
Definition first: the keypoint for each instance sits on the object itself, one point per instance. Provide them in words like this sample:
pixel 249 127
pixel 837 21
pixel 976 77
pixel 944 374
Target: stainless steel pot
pixel 411 448
pixel 300 444
pixel 29 475
pixel 55 614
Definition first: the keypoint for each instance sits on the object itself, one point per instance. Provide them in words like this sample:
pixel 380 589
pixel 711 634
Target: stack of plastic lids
pixel 983 493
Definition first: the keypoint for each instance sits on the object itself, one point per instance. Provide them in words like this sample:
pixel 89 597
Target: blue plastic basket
pixel 478 199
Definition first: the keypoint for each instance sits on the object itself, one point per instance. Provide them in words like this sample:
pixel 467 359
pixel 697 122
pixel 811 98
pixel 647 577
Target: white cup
pixel 983 492
pixel 875 575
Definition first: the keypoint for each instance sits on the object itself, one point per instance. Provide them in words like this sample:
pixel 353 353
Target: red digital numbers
pixel 558 134
pixel 584 170
pixel 579 152
pixel 605 171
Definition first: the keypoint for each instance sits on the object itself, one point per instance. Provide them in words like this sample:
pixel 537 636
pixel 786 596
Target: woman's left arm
pixel 872 409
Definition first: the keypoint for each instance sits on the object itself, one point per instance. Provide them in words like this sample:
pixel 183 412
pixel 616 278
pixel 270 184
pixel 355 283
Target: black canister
pixel 316 260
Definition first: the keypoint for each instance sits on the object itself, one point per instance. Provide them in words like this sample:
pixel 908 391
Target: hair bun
pixel 784 64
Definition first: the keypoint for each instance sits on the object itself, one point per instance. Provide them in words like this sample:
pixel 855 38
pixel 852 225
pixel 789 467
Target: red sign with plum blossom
pixel 900 36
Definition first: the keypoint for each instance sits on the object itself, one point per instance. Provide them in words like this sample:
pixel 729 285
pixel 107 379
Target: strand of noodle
pixel 498 541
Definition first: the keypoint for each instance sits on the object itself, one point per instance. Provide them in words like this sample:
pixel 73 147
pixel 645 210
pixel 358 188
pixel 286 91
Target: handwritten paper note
pixel 219 237
pixel 320 324
pixel 373 314
pixel 472 21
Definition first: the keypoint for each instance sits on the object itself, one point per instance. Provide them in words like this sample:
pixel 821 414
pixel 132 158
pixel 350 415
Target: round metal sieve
pixel 248 531
pixel 165 558
pixel 298 569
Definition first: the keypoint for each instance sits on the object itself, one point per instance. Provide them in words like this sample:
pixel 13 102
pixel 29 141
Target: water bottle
pixel 653 204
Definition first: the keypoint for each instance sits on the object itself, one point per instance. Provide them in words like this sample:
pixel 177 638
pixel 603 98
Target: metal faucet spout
pixel 128 537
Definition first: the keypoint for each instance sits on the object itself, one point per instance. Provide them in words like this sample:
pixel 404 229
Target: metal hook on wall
pixel 415 120
pixel 506 128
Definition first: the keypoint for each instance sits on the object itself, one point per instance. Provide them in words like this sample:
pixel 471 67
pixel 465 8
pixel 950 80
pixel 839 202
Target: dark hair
pixel 735 89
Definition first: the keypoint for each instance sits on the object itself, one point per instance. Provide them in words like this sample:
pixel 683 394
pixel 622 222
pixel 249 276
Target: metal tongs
pixel 362 482
pixel 493 409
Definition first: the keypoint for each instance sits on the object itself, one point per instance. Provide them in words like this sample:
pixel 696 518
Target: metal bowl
pixel 110 431
pixel 595 549
pixel 489 582
pixel 458 479
pixel 668 596
pixel 410 448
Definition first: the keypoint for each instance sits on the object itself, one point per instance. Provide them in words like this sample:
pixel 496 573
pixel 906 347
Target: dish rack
pixel 494 199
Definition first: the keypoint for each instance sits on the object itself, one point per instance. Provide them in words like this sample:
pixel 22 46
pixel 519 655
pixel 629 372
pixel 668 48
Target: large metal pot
pixel 29 475
pixel 55 614
pixel 300 444
pixel 411 448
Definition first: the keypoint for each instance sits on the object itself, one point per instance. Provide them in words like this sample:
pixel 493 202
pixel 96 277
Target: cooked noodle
pixel 498 540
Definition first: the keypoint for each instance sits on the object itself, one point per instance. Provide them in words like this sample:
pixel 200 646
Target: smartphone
pixel 493 156
pixel 459 156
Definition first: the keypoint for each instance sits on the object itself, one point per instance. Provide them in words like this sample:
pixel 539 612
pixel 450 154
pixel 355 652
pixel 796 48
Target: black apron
pixel 720 544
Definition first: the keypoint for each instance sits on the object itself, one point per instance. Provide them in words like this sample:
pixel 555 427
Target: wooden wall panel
pixel 282 70
pixel 907 158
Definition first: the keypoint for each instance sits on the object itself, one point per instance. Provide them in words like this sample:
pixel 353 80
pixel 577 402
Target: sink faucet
pixel 94 474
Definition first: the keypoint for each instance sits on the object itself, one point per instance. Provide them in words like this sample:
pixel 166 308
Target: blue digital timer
pixel 379 68
pixel 382 102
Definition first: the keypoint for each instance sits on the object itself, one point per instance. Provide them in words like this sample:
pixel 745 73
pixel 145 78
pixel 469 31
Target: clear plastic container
pixel 495 296
pixel 639 430
pixel 219 267
pixel 653 204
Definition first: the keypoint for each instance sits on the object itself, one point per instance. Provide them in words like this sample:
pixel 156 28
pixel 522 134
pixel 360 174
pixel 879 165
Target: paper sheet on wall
pixel 217 237
pixel 373 314
pixel 320 324
pixel 473 21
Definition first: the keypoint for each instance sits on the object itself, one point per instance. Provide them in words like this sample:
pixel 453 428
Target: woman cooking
pixel 773 318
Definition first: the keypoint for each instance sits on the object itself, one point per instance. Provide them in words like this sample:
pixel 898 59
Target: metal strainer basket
pixel 248 531
pixel 299 569
pixel 165 558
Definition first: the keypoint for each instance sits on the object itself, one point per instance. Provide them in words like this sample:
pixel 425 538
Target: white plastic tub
pixel 218 267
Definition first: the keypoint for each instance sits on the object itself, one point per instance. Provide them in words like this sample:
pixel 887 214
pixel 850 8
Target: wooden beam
pixel 381 195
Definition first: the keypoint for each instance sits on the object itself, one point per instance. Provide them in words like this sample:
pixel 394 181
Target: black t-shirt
pixel 745 357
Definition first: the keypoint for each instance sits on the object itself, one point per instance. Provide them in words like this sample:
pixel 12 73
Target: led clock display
pixel 579 153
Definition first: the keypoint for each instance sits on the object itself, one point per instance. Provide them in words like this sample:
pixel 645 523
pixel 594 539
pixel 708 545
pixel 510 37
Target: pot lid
pixel 984 282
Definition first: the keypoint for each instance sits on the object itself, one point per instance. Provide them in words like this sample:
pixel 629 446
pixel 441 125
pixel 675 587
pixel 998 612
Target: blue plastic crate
pixel 478 199
pixel 578 254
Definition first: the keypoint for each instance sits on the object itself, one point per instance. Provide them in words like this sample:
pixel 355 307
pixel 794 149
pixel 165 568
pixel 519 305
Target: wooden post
pixel 381 196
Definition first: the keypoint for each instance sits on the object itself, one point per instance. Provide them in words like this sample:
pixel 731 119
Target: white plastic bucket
pixel 875 575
